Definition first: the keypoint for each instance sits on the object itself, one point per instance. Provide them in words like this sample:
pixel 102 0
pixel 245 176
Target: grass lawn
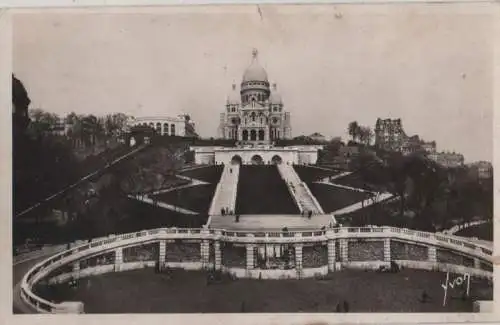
pixel 143 291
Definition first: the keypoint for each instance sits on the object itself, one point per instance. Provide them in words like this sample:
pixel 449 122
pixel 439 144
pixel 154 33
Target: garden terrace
pixel 379 214
pixel 195 198
pixel 210 174
pixel 261 190
pixel 333 198
pixel 309 174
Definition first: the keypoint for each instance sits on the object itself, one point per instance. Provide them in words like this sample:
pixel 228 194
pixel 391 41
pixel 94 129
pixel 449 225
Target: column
pixel 344 250
pixel 250 257
pixel 218 257
pixel 387 249
pixel 118 258
pixel 477 261
pixel 205 253
pixel 298 259
pixel 76 267
pixel 432 254
pixel 266 134
pixel 331 255
pixel 162 253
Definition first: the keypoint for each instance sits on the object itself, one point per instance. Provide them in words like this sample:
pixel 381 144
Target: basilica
pixel 254 114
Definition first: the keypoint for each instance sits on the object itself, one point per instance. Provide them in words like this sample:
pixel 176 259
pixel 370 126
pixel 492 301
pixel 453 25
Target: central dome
pixel 255 72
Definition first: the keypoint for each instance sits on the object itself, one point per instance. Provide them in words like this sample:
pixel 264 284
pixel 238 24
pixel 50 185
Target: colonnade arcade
pixel 161 128
pixel 281 256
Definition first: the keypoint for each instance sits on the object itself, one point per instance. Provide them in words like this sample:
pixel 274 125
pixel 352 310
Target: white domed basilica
pixel 255 114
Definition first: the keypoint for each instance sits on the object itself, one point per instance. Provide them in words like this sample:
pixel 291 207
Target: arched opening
pixel 257 160
pixel 236 160
pixel 172 129
pixel 165 128
pixel 158 128
pixel 276 160
pixel 151 125
pixel 261 135
pixel 253 135
pixel 245 135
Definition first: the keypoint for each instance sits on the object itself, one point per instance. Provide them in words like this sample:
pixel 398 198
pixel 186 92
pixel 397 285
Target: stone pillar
pixel 387 249
pixel 118 258
pixel 298 259
pixel 331 255
pixel 477 261
pixel 344 250
pixel 205 253
pixel 76 267
pixel 266 134
pixel 432 254
pixel 250 257
pixel 162 253
pixel 218 257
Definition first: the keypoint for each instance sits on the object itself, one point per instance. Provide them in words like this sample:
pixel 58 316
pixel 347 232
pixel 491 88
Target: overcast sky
pixel 429 65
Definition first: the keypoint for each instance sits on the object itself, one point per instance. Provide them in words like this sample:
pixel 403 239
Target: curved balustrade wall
pixel 259 255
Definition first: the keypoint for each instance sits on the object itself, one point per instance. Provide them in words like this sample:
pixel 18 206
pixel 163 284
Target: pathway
pixel 225 193
pixel 299 190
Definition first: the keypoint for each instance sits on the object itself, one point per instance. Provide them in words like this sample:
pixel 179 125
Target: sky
pixel 428 65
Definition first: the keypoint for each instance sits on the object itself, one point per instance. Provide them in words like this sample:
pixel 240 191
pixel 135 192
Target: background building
pixel 389 134
pixel 181 126
pixel 255 114
pixel 447 159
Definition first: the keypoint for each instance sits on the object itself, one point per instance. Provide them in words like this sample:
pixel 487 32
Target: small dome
pixel 234 97
pixel 255 72
pixel 275 97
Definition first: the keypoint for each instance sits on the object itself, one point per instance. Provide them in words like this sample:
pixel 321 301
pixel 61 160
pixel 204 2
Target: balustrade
pixel 480 256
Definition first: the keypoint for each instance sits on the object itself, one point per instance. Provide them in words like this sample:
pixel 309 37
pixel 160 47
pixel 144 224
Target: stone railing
pixel 466 225
pixel 78 252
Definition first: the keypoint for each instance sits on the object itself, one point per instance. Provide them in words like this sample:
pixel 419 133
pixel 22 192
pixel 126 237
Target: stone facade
pixel 164 125
pixel 389 134
pixel 255 114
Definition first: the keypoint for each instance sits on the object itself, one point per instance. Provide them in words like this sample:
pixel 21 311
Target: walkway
pixel 225 193
pixel 299 190
pixel 344 187
pixel 156 203
pixel 332 178
pixel 363 204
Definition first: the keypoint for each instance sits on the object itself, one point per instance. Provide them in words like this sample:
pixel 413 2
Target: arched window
pixel 245 135
pixel 253 135
pixel 253 117
pixel 165 128
pixel 158 128
pixel 172 129
pixel 261 135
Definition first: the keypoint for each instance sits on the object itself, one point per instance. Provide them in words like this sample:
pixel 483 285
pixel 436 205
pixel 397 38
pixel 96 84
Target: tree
pixel 365 135
pixel 353 130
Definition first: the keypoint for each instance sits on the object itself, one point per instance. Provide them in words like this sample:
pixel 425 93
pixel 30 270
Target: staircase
pixel 299 190
pixel 225 193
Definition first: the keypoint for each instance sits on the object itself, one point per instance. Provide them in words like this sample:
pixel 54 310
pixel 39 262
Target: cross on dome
pixel 255 52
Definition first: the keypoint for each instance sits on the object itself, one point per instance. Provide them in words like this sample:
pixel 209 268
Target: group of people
pixel 226 211
pixel 307 213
